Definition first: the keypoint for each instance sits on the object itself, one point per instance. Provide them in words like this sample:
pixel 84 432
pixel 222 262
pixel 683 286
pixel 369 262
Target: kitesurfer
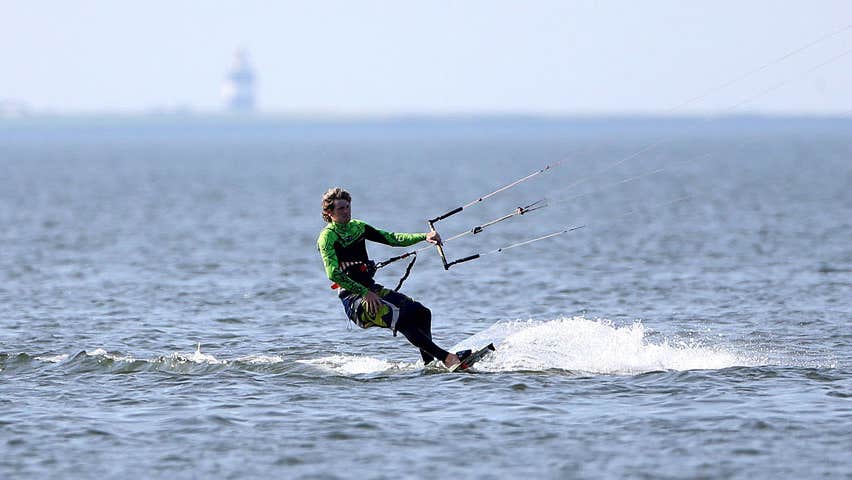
pixel 344 253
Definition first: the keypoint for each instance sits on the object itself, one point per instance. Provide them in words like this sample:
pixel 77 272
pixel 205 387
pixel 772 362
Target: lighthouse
pixel 238 87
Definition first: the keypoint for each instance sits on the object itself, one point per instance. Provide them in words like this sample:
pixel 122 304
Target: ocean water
pixel 164 312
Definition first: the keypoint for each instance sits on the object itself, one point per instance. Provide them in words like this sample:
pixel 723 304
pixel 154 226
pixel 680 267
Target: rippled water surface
pixel 164 312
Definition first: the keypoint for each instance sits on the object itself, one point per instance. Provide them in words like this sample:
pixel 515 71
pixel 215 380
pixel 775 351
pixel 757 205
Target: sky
pixel 392 57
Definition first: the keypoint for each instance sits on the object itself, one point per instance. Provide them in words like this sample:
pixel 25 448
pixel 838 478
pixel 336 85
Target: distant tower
pixel 238 87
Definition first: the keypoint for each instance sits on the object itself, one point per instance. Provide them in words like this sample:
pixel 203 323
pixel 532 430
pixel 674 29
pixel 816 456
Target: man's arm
pixel 391 238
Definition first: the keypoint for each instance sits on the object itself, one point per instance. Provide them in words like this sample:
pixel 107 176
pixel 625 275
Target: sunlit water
pixel 164 312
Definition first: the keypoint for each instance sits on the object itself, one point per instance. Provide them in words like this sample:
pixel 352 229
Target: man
pixel 344 253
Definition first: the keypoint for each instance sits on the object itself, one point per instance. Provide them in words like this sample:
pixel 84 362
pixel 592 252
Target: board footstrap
pixel 473 358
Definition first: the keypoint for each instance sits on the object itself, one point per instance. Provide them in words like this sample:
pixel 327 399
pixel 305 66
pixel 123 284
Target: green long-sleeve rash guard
pixel 346 243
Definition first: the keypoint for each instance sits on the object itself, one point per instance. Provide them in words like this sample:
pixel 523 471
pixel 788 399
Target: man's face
pixel 341 213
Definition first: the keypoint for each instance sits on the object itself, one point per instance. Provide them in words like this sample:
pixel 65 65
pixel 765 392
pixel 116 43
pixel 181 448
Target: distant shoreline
pixel 399 117
pixel 428 126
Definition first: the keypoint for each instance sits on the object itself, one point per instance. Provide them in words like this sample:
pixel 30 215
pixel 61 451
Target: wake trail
pixel 580 345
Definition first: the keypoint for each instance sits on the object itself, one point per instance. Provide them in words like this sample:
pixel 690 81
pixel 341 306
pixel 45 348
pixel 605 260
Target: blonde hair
pixel 328 199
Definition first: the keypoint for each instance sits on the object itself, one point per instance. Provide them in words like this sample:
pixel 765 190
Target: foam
pixel 358 365
pixel 593 346
pixel 100 352
pixel 53 358
pixel 260 359
pixel 197 357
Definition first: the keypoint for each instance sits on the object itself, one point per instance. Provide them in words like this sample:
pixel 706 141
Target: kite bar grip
pixel 451 212
pixel 465 259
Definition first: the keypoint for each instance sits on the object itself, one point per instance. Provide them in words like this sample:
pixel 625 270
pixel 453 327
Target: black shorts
pixel 394 304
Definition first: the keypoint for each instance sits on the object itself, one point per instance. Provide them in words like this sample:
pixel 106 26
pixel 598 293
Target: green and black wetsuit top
pixel 343 246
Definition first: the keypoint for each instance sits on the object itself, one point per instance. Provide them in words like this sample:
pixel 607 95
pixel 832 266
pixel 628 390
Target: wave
pixel 114 362
pixel 574 345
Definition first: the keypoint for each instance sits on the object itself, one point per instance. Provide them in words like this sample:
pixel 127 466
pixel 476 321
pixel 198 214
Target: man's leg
pixel 426 329
pixel 415 323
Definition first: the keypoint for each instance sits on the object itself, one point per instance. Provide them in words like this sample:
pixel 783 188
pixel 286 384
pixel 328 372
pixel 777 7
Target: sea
pixel 164 312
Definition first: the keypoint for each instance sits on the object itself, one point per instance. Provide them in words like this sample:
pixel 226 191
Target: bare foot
pixel 451 360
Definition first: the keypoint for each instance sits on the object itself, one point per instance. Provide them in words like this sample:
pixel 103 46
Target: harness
pixel 357 270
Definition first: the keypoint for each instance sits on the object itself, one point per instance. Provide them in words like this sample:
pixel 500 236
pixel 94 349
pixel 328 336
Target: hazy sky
pixel 462 56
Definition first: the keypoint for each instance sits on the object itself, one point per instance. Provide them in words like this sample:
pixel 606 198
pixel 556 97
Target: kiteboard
pixel 472 357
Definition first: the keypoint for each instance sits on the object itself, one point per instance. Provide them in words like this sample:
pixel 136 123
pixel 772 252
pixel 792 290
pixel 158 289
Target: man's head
pixel 335 206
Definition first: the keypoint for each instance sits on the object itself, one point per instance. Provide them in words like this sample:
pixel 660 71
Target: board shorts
pixel 394 305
